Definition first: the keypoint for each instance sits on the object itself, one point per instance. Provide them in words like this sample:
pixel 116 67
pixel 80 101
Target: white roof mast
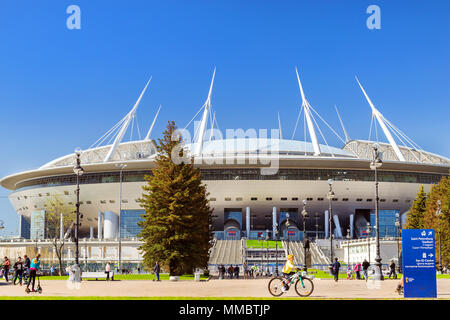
pixel 380 120
pixel 202 128
pixel 305 105
pixel 147 137
pixel 124 127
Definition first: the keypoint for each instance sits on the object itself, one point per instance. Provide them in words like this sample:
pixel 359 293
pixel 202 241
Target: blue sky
pixel 62 88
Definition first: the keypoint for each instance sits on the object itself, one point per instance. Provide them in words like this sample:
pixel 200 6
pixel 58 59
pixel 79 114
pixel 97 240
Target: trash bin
pixel 75 273
pixel 197 276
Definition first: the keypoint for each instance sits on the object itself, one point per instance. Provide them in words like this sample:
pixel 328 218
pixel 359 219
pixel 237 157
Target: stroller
pixel 38 288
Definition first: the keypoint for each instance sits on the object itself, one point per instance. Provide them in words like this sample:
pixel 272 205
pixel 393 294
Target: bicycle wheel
pixel 304 287
pixel 275 285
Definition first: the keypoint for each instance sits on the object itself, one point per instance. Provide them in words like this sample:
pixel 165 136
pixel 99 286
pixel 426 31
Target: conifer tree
pixel 176 224
pixel 441 192
pixel 417 211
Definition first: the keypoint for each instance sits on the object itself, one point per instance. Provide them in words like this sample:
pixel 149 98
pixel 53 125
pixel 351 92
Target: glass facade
pixel 128 223
pixel 24 227
pixel 387 223
pixel 241 174
pixel 37 227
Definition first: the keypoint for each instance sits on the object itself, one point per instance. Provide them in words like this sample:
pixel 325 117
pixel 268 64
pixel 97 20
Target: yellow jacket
pixel 289 267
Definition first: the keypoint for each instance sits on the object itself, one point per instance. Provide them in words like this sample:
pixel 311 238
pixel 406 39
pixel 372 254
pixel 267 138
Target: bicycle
pixel 303 285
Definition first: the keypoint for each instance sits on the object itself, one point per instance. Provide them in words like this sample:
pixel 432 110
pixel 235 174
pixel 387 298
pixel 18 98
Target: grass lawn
pixel 257 244
pixel 164 276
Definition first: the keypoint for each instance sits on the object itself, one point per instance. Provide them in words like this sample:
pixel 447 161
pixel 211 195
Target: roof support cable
pixel 137 127
pixel 323 137
pixel 403 143
pixel 371 125
pixel 411 142
pixel 296 123
pixel 194 116
pixel 323 120
pixel 376 132
pixel 304 129
pixel 106 135
pixel 132 127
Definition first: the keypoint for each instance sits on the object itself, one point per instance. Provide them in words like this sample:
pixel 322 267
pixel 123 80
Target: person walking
pixel 236 272
pixel 336 266
pixel 18 271
pixel 349 272
pixel 365 268
pixel 245 267
pixel 6 265
pixel 107 270
pixel 52 270
pixel 255 271
pixel 392 270
pixel 358 270
pixel 34 267
pixel 230 271
pixel 157 270
pixel 26 267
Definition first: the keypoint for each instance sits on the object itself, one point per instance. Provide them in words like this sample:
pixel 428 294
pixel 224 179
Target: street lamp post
pixel 330 196
pixel 267 251
pixel 121 166
pixel 276 248
pixel 438 213
pixel 305 237
pixel 78 170
pixel 369 232
pixel 397 224
pixel 287 224
pixel 348 247
pixel 374 165
pixel 316 215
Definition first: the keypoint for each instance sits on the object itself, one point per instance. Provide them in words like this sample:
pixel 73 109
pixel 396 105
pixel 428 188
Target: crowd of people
pixel 24 270
pixel 233 271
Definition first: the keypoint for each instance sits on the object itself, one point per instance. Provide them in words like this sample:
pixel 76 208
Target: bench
pixel 97 275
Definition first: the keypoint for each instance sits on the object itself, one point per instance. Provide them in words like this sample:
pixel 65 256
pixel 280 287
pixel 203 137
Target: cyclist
pixel 289 270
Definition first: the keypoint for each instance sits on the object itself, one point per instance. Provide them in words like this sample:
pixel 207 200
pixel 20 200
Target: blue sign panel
pixel 419 263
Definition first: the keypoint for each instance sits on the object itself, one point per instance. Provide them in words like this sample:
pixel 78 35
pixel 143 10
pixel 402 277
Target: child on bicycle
pixel 289 270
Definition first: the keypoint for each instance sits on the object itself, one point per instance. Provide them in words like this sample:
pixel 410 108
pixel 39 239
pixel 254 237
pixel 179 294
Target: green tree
pixel 441 192
pixel 176 224
pixel 54 208
pixel 417 211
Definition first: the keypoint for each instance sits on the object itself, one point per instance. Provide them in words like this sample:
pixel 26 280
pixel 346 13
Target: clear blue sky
pixel 63 88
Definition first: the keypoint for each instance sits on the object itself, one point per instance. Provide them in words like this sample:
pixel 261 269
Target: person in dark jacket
pixel 365 268
pixel 18 271
pixel 6 265
pixel 26 263
pixel 236 272
pixel 157 270
pixel 336 266
pixel 392 270
pixel 230 271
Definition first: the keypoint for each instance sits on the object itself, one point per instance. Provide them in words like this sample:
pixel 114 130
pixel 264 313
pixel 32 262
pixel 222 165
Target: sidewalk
pixel 214 288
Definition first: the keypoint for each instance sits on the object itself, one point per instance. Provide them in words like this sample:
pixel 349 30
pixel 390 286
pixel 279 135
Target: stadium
pixel 258 185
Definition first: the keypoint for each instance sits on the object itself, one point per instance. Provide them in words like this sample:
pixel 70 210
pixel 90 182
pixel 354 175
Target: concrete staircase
pixel 314 256
pixel 226 252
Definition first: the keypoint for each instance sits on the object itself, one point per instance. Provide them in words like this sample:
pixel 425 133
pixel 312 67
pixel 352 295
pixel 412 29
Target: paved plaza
pixel 255 288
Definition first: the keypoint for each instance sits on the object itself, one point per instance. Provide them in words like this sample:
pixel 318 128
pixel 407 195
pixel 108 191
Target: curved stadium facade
pixel 246 198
